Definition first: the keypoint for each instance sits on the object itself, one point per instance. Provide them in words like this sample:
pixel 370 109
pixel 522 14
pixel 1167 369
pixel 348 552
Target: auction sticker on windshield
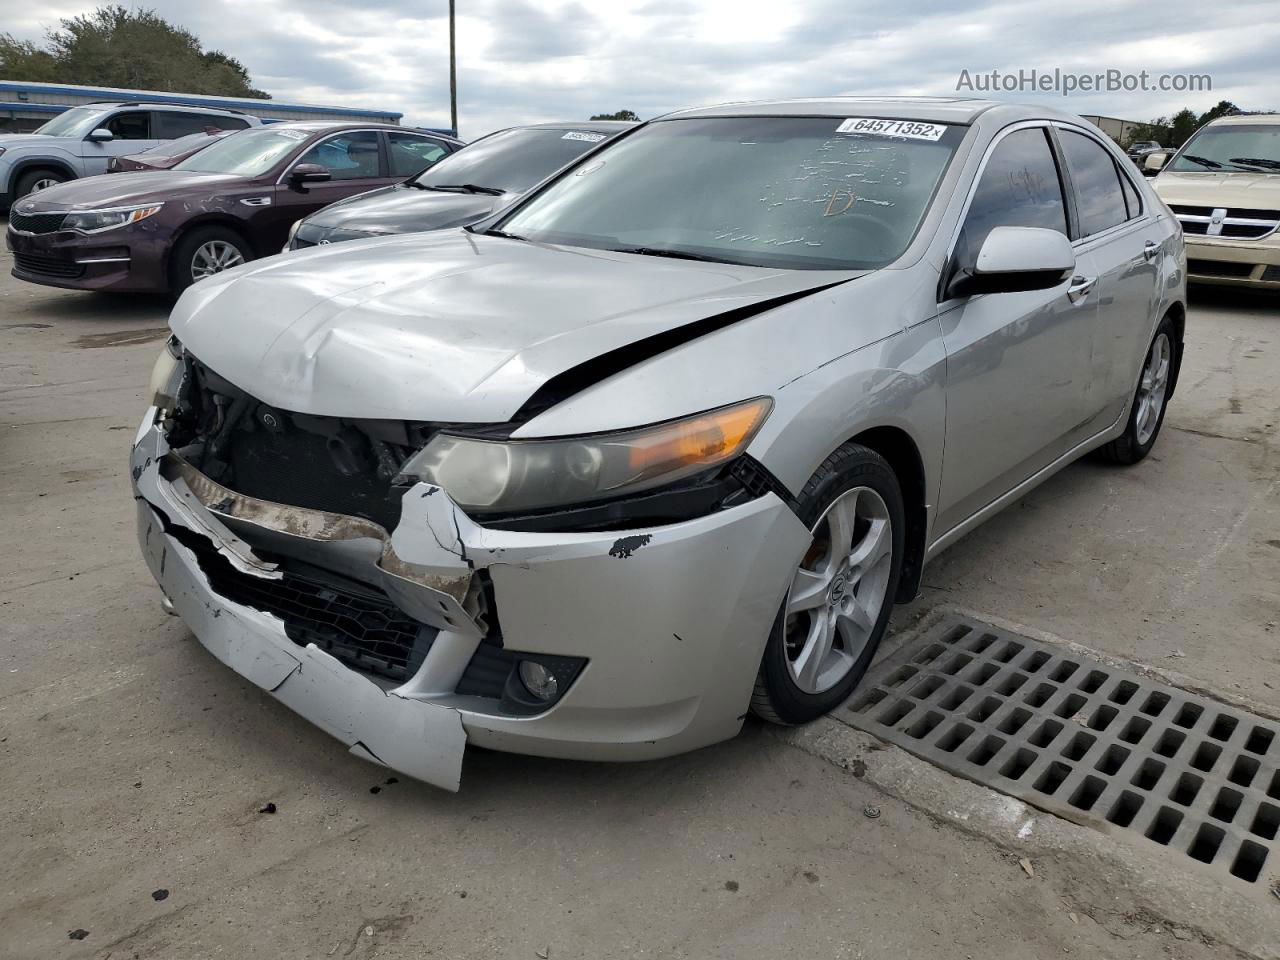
pixel 910 129
pixel 581 135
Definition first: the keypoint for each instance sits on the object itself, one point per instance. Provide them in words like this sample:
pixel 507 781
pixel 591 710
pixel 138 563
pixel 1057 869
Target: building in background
pixel 25 106
pixel 1118 130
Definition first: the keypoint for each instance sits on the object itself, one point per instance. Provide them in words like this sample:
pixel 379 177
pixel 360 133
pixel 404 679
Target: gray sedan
pixel 662 442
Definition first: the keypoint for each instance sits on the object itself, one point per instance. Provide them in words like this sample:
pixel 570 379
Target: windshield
pixel 76 122
pixel 1232 147
pixel 793 192
pixel 247 153
pixel 511 161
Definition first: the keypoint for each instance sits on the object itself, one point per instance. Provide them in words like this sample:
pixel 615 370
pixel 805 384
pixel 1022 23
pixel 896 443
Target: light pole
pixel 453 75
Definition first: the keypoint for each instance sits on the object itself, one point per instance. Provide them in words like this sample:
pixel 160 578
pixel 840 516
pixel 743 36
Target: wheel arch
pixel 26 164
pixel 212 219
pixel 1177 312
pixel 901 451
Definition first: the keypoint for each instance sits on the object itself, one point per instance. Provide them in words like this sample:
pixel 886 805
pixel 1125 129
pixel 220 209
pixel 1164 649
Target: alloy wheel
pixel 44 182
pixel 839 590
pixel 1153 388
pixel 214 257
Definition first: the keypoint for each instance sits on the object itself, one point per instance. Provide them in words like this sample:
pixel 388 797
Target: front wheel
pixel 204 252
pixel 1150 401
pixel 34 180
pixel 838 605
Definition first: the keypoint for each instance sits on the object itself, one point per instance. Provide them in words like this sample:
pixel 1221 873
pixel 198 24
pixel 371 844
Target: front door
pixel 131 133
pixel 354 162
pixel 1017 363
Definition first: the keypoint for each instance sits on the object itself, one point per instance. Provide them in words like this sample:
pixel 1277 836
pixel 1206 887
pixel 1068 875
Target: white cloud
pixel 529 60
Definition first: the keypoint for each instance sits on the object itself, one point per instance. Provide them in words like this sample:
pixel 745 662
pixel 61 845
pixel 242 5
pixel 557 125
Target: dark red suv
pixel 233 201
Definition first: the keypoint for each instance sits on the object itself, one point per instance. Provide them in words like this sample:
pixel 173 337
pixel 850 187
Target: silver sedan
pixel 661 443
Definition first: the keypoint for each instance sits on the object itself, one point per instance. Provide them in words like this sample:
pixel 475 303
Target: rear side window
pixel 348 156
pixel 410 154
pixel 1020 187
pixel 1131 200
pixel 133 125
pixel 171 124
pixel 1100 199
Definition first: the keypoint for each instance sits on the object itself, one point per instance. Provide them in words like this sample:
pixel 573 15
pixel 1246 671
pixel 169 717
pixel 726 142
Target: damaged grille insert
pixel 1086 741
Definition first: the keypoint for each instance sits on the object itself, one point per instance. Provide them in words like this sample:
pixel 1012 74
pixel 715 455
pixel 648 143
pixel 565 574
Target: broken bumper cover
pixel 671 620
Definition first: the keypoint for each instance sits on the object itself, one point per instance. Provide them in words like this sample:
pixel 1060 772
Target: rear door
pixel 1017 363
pixel 1119 236
pixel 355 163
pixel 132 133
pixel 408 154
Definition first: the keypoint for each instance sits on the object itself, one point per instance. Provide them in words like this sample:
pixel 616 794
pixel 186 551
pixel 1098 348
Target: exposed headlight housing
pixel 96 221
pixel 166 375
pixel 489 476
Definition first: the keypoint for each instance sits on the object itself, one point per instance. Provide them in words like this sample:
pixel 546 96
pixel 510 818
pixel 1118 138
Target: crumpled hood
pixel 1255 191
pixel 122 189
pixel 446 326
pixel 401 209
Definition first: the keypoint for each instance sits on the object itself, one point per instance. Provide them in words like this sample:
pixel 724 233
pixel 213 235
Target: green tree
pixel 1181 126
pixel 620 115
pixel 1225 108
pixel 136 49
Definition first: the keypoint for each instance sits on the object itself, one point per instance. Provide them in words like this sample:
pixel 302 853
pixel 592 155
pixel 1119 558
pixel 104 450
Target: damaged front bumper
pixel 671 620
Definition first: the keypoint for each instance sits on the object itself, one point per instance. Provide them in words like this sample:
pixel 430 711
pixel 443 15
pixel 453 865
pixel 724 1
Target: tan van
pixel 1224 187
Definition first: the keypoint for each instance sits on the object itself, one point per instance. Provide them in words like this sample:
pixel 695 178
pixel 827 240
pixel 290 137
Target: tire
pixel 210 244
pixel 792 688
pixel 38 179
pixel 1150 399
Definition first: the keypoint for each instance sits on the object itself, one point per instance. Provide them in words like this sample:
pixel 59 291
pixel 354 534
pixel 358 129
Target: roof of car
pixel 604 126
pixel 1249 118
pixel 198 107
pixel 326 126
pixel 956 110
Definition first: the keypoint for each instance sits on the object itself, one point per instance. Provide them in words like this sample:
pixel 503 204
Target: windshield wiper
pixel 1212 164
pixel 674 254
pixel 499 233
pixel 1262 162
pixel 467 188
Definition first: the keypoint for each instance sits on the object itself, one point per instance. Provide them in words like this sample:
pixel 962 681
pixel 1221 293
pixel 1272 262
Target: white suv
pixel 81 141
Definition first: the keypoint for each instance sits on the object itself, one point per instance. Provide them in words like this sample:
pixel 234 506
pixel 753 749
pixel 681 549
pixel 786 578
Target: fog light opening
pixel 539 681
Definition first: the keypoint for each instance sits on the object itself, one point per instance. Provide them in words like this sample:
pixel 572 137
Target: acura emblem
pixel 322 242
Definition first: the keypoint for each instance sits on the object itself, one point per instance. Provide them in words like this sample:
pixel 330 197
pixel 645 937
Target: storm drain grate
pixel 1088 742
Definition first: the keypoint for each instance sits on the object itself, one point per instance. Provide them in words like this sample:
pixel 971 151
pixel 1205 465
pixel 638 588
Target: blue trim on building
pixel 226 103
pixel 33 107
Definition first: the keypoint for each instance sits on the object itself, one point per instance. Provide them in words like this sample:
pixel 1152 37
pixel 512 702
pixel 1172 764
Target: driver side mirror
pixel 305 173
pixel 1154 162
pixel 1014 260
pixel 100 135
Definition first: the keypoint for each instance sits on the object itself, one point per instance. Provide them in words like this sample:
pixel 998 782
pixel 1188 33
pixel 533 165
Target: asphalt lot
pixel 134 764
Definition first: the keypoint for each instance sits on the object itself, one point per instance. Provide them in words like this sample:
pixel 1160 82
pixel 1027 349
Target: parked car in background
pixel 463 188
pixel 664 441
pixel 1224 187
pixel 227 204
pixel 167 154
pixel 81 141
pixel 1141 148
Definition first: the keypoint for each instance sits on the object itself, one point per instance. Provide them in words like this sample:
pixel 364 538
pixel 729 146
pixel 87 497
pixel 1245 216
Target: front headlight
pixel 491 476
pixel 95 221
pixel 166 375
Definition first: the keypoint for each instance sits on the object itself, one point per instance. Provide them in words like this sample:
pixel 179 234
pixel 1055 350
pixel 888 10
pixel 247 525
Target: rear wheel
pixel 1155 386
pixel 34 180
pixel 840 598
pixel 204 252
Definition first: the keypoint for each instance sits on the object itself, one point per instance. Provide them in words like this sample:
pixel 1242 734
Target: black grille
pixel 36 222
pixel 359 626
pixel 1191 211
pixel 1219 268
pixel 47 266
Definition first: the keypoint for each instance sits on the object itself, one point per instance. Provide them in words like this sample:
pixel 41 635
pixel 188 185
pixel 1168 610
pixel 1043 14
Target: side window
pixel 230 123
pixel 1132 201
pixel 348 156
pixel 1099 197
pixel 1020 187
pixel 132 125
pixel 170 124
pixel 410 154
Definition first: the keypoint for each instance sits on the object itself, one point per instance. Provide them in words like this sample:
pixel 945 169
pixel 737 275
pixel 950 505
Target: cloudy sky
pixel 529 60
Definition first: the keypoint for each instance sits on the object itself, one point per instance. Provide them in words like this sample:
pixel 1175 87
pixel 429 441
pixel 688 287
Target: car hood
pixel 447 326
pixel 119 189
pixel 37 140
pixel 402 209
pixel 1252 190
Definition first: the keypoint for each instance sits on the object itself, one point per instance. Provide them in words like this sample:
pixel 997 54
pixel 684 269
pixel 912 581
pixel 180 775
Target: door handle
pixel 1150 250
pixel 1080 288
